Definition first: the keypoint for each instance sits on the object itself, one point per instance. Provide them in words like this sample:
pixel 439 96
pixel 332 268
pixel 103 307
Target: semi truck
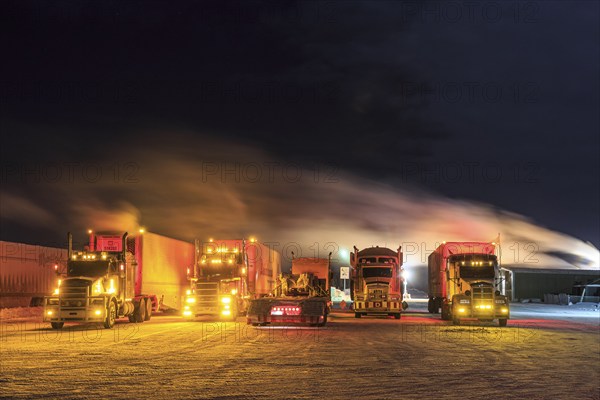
pixel 301 297
pixel 117 275
pixel 227 274
pixel 377 282
pixel 464 278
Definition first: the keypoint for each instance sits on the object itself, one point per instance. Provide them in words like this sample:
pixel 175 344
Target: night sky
pixel 347 122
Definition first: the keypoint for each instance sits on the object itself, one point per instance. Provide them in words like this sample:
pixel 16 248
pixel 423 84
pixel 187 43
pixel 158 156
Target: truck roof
pixel 377 251
pixel 451 248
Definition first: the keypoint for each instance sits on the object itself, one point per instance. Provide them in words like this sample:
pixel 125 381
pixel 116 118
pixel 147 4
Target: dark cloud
pixel 400 93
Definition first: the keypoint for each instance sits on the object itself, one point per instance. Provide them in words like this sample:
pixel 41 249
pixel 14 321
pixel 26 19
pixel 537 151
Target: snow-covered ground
pixel 546 352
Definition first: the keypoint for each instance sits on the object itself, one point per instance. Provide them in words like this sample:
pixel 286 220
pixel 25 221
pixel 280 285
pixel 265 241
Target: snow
pixel 547 351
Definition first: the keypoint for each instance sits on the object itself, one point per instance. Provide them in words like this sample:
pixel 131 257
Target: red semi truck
pixel 300 298
pixel 377 282
pixel 227 274
pixel 463 282
pixel 118 275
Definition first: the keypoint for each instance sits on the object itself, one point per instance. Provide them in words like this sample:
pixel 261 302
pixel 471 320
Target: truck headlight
pixel 504 310
pixel 226 312
pixel 461 310
pixel 190 300
pixel 98 312
pixel 49 312
pixel 226 300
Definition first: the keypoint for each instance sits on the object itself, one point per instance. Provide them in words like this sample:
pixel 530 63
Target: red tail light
pixel 285 310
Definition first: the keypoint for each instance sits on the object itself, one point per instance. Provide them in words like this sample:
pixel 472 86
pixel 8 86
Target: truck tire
pixel 111 315
pixel 446 312
pixel 57 325
pixel 324 321
pixel 357 315
pixel 140 311
pixel 397 316
pixel 148 310
pixel 502 322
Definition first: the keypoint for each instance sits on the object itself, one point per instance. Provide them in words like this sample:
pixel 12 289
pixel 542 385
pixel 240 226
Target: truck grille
pixel 73 294
pixel 376 295
pixel 207 294
pixel 483 296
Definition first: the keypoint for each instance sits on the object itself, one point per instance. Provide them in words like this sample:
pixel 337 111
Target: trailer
pixel 118 275
pixel 301 297
pixel 227 275
pixel 464 282
pixel 377 282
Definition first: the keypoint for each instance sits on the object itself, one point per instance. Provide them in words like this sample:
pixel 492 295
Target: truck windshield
pixel 377 272
pixel 477 272
pixel 87 268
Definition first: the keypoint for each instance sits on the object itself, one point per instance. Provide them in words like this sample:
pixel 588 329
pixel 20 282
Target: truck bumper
pixel 378 307
pixel 468 312
pixel 285 319
pixel 90 309
pixel 74 315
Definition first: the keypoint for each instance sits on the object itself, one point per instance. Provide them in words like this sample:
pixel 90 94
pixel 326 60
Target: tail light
pixel 285 310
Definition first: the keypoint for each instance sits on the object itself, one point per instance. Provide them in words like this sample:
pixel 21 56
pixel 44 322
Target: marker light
pixel 234 291
pixel 49 313
pixel 188 292
pixel 56 291
pixel 461 310
pixel 90 231
pixel 56 267
pixel 190 300
pixel 187 313
pixel 98 312
pixel 225 300
pixel 226 312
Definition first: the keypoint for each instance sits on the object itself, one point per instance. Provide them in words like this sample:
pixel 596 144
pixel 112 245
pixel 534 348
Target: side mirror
pixel 468 293
pixel 497 293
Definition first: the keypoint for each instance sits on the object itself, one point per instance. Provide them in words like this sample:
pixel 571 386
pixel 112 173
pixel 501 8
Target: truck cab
pixel 463 282
pixel 219 283
pixel 377 286
pixel 98 285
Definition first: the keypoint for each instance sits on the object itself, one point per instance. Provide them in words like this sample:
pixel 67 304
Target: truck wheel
pixel 357 315
pixel 57 325
pixel 455 321
pixel 397 316
pixel 446 312
pixel 140 311
pixel 324 320
pixel 148 309
pixel 111 316
pixel 502 322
